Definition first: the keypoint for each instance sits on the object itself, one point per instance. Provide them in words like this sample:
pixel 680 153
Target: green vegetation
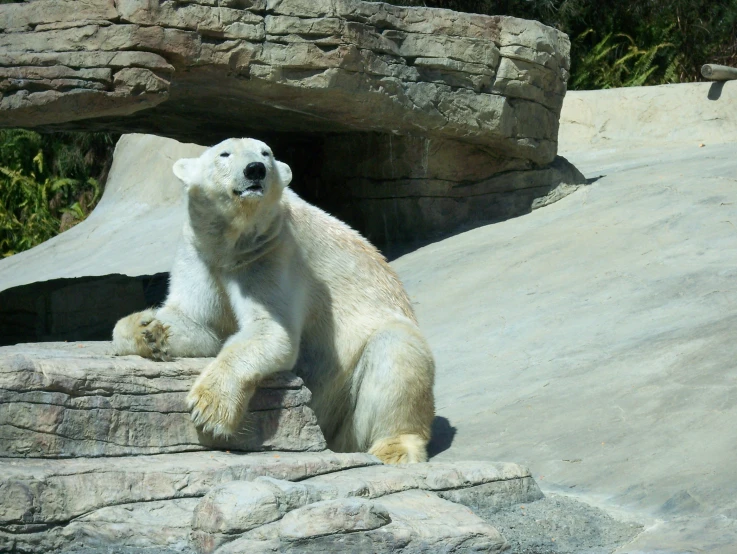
pixel 619 43
pixel 48 183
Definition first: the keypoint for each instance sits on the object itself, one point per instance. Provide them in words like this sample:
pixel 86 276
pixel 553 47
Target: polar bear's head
pixel 240 170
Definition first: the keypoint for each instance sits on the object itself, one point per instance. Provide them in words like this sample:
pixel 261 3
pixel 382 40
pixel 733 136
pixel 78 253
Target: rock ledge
pixel 98 452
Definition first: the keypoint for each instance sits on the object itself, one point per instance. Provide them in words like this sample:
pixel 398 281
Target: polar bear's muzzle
pixel 254 173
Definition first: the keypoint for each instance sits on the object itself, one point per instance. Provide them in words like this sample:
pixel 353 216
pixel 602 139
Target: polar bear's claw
pixel 216 403
pixel 156 336
pixel 141 333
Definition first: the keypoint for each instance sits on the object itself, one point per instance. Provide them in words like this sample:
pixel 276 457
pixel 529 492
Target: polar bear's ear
pixel 188 171
pixel 285 173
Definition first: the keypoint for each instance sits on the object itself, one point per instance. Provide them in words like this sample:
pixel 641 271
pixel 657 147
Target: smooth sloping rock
pixel 269 509
pixel 65 400
pixel 639 117
pixel 594 340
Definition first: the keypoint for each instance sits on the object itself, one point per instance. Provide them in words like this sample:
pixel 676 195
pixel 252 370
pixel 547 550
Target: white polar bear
pixel 268 282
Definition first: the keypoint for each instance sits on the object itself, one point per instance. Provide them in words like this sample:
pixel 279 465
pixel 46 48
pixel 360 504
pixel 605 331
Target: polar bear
pixel 267 282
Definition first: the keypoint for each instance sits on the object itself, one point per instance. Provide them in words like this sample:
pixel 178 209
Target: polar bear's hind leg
pixel 394 405
pixel 402 449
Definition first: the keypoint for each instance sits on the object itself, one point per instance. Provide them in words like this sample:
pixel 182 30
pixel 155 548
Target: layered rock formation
pixel 60 401
pixel 407 122
pixel 98 452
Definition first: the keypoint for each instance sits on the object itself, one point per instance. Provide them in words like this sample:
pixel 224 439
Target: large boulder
pixel 407 122
pixel 285 66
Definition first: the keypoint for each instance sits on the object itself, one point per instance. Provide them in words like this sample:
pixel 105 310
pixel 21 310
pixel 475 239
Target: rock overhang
pixel 203 70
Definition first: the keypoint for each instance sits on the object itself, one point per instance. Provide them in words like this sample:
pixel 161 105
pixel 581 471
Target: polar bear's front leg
pixel 164 334
pixel 220 395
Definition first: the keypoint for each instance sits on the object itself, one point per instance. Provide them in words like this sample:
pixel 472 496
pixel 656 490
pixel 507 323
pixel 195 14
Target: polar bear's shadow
pixel 443 434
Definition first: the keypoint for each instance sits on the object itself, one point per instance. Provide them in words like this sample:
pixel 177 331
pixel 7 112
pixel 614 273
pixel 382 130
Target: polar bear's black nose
pixel 255 171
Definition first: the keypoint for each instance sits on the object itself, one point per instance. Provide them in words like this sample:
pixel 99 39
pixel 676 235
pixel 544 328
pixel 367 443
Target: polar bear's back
pixel 352 271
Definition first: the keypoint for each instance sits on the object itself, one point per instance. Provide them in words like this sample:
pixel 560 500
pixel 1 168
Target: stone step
pixel 218 502
pixel 48 505
pixel 76 399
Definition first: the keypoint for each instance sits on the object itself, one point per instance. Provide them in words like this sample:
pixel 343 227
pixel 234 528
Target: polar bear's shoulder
pixel 315 227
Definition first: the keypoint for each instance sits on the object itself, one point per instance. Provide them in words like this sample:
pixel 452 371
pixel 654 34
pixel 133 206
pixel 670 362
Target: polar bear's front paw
pixel 218 401
pixel 141 333
pixel 154 339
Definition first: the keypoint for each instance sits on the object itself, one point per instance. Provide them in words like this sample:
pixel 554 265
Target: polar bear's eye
pixel 224 154
pixel 265 153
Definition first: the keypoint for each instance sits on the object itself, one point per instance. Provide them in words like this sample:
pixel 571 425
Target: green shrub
pixel 48 183
pixel 617 61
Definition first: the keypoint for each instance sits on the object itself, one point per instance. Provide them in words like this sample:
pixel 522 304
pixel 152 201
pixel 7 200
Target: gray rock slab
pixel 76 399
pixel 593 340
pixel 404 522
pixel 425 504
pixel 38 491
pixel 131 504
pixel 156 526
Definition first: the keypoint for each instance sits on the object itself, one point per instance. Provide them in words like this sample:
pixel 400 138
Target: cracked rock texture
pixel 131 502
pixel 406 122
pixel 66 400
pixel 344 65
pixel 370 509
pixel 98 453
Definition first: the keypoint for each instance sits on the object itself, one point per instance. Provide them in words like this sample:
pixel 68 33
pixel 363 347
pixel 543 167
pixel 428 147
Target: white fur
pixel 268 282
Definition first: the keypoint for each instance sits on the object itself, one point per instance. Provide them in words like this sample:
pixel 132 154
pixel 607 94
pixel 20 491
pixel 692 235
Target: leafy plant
pixel 46 184
pixel 617 61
